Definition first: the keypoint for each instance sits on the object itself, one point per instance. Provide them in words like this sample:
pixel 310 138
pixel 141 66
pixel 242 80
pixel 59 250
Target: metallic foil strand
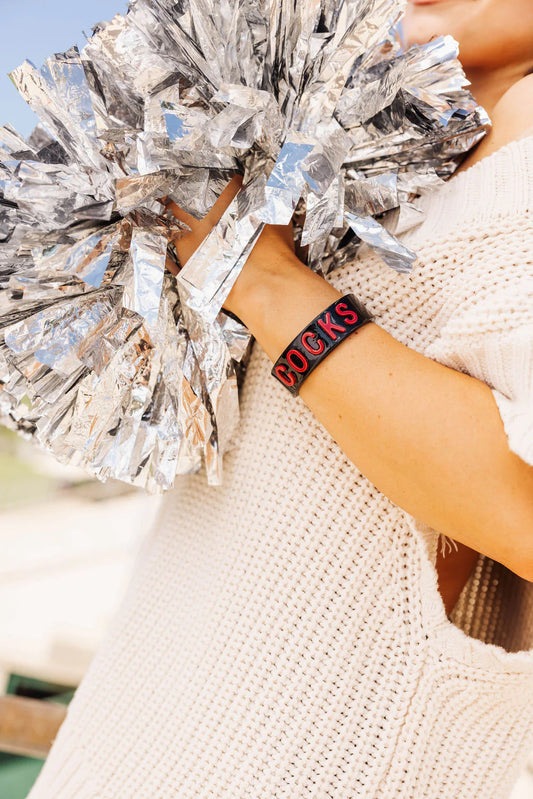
pixel 108 359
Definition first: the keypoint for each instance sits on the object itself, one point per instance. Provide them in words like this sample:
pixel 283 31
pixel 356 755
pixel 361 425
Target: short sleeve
pixel 485 324
pixel 514 357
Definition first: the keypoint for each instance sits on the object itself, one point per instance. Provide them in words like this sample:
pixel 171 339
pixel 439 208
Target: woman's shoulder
pixel 494 183
pixel 512 121
pixel 512 117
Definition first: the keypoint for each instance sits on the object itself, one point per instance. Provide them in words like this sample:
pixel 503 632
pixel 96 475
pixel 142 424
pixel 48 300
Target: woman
pixel 294 632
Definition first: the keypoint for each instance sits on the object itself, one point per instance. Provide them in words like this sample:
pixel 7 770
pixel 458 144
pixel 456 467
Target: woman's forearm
pixel 429 437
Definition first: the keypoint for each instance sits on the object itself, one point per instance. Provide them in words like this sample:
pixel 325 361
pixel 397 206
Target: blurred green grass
pixel 28 474
pixel 20 483
pixel 20 480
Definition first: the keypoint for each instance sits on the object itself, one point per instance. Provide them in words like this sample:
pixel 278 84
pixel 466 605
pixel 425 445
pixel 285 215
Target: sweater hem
pixel 445 636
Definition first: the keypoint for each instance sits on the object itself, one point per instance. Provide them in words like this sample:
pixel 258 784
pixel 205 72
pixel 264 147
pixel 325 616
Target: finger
pixel 180 214
pixel 216 211
pixel 225 198
pixel 171 266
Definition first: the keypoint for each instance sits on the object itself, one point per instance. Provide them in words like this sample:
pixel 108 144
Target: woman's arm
pixel 429 437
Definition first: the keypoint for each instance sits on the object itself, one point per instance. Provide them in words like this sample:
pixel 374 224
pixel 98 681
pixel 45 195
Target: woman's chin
pixel 416 32
pixel 422 23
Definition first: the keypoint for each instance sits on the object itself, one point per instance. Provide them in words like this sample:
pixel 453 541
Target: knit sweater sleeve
pixel 485 325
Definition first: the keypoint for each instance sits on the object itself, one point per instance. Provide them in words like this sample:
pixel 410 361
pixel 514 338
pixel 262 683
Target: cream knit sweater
pixel 283 635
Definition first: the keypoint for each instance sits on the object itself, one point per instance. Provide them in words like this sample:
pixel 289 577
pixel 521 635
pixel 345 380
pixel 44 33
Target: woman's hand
pixel 270 248
pixel 187 242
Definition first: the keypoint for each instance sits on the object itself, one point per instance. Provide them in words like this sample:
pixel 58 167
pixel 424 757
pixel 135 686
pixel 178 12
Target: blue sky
pixel 34 29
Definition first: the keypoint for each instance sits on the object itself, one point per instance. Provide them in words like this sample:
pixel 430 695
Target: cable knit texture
pixel 283 635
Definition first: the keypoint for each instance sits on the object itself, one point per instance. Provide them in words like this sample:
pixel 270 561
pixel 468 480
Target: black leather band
pixel 318 339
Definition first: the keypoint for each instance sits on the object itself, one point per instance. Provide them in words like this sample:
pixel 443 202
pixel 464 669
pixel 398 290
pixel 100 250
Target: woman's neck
pixel 489 85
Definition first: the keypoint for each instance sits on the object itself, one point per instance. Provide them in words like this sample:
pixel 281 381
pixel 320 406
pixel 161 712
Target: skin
pixel 429 437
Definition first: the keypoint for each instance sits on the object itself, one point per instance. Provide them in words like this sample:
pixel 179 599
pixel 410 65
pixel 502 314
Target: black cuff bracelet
pixel 317 340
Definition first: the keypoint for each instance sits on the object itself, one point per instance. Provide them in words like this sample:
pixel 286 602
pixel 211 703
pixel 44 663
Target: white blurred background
pixel 67 545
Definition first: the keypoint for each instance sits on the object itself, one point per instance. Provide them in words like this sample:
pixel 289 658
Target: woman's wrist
pixel 260 293
pixel 265 268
